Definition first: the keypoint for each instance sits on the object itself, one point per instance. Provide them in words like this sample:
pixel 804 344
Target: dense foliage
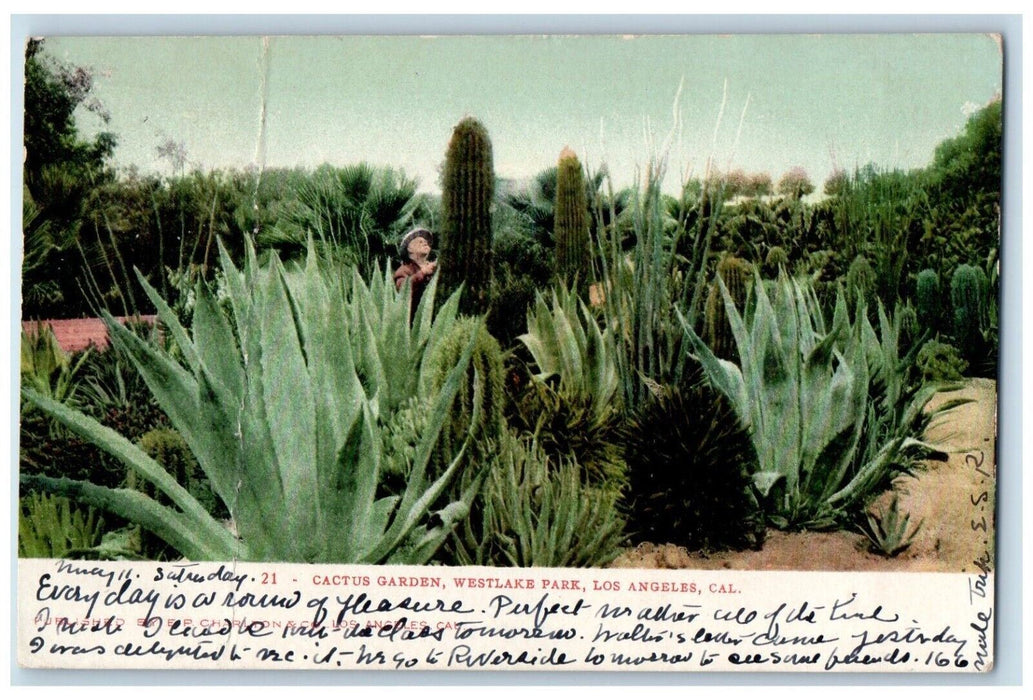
pixel 744 353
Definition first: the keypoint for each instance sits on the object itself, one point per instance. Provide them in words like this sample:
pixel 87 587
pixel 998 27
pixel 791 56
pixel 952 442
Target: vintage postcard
pixel 529 353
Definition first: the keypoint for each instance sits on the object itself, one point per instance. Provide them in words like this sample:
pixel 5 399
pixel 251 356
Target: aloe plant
pixel 802 389
pixel 51 526
pixel 539 513
pixel 47 368
pixel 272 404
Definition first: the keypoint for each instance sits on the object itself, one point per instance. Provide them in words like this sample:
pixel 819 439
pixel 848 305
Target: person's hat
pixel 403 246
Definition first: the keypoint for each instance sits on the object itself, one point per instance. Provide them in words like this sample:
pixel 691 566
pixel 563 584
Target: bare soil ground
pixel 947 497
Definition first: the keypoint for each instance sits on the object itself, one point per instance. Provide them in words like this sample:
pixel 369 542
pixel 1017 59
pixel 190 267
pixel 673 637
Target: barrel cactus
pixel 968 301
pixel 735 273
pixel 929 300
pixel 468 191
pixel 573 259
pixel 776 259
pixel 860 283
pixel 480 395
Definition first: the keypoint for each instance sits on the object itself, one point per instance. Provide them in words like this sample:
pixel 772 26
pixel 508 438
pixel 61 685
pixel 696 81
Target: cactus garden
pixel 708 372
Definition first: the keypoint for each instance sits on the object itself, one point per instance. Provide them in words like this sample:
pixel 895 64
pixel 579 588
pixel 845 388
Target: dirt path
pixel 947 497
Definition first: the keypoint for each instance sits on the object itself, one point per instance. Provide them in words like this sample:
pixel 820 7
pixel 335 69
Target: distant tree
pixel 759 184
pixel 739 183
pixel 736 183
pixel 836 183
pixel 795 183
pixel 60 173
pixel 53 91
pixel 971 162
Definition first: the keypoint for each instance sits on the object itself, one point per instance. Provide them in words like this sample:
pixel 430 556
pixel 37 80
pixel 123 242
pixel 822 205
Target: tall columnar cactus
pixel 468 191
pixel 735 272
pixel 573 257
pixel 860 283
pixel 928 300
pixel 968 300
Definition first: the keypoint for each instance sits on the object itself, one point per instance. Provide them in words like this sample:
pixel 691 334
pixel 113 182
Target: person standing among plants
pixel 414 249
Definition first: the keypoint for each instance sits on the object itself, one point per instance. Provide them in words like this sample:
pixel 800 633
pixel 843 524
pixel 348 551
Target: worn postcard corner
pixel 672 353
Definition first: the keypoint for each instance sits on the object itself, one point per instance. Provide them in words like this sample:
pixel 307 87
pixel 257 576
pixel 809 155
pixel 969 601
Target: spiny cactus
pixel 940 362
pixel 468 191
pixel 691 461
pixel 480 396
pixel 775 259
pixel 573 259
pixel 567 428
pixel 929 300
pixel 968 300
pixel 735 272
pixel 860 283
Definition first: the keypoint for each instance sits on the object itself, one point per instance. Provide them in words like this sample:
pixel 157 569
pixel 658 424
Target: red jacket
pixel 418 280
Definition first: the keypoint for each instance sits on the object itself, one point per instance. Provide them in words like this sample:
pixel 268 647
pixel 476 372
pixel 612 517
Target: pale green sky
pixel 887 99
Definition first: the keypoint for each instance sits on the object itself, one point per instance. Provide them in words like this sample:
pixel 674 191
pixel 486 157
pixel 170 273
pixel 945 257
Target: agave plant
pixel 388 350
pixel 803 390
pixel 272 403
pixel 566 342
pixel 887 531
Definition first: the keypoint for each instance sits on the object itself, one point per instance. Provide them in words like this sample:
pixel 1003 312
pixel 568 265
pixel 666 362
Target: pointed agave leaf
pixel 427 541
pixel 216 346
pixel 381 514
pixel 423 318
pixel 176 528
pixel 168 317
pixel 725 376
pixel 338 491
pixel 570 355
pixel 288 401
pixel 239 297
pixel 132 456
pixel 176 392
pixel 337 391
pixel 415 499
pixel 360 481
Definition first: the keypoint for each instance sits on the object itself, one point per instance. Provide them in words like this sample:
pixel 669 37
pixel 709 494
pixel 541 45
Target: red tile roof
pixel 75 334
